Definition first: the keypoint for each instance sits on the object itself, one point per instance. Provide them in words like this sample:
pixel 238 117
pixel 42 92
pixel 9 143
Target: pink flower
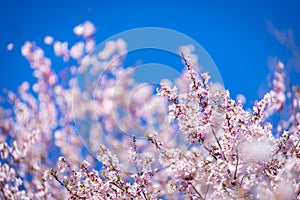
pixel 85 29
pixel 77 50
pixel 10 46
pixel 61 50
pixel 48 40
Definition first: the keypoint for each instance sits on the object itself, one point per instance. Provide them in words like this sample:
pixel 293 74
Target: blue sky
pixel 241 37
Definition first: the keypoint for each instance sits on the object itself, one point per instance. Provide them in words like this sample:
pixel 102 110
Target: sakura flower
pixel 256 151
pixel 85 29
pixel 61 50
pixel 77 50
pixel 10 46
pixel 48 40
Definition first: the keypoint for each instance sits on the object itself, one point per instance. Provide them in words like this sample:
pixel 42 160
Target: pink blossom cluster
pixel 243 158
pixel 209 148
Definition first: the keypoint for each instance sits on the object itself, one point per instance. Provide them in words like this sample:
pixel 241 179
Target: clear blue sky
pixel 234 33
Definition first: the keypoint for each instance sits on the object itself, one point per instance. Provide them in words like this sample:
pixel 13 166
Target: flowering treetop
pixel 229 152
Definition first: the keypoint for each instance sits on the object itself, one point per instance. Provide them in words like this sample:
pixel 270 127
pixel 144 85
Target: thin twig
pixel 135 162
pixel 113 183
pixel 206 192
pixel 209 151
pixel 64 185
pixel 2 191
pixel 198 193
pixel 195 86
pixel 236 166
pixel 223 154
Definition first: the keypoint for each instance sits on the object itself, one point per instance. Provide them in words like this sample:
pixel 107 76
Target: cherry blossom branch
pixel 53 173
pixel 190 71
pixel 246 160
pixel 135 164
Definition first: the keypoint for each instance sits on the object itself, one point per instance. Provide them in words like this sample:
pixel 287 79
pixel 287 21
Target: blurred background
pixel 245 39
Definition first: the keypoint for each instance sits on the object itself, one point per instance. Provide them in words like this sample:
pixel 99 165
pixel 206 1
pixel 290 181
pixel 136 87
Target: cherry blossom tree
pixel 201 144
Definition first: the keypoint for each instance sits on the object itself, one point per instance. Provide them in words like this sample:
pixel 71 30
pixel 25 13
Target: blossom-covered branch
pixel 224 151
